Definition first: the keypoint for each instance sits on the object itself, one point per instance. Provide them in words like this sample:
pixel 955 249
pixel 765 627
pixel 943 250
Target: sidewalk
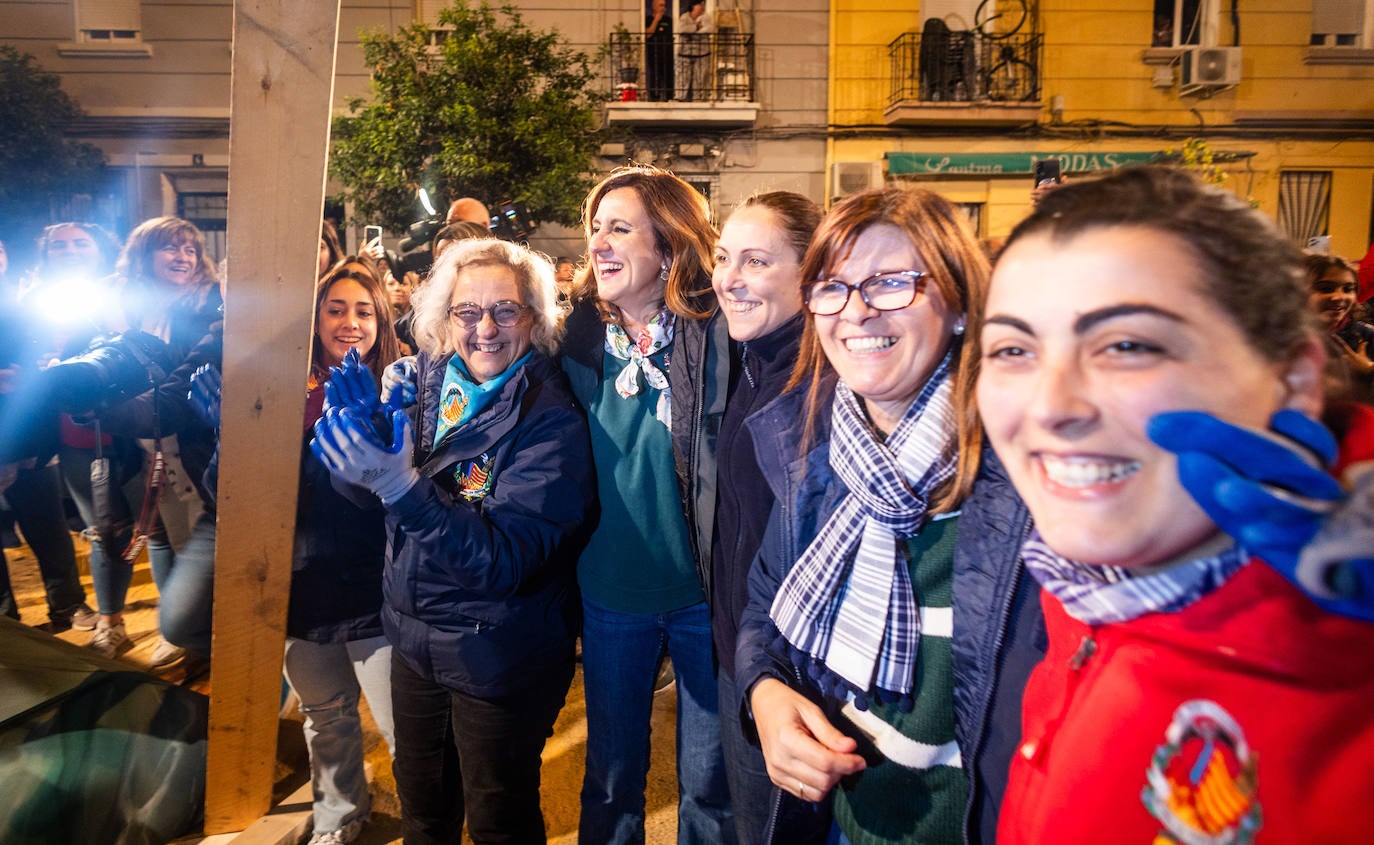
pixel 563 756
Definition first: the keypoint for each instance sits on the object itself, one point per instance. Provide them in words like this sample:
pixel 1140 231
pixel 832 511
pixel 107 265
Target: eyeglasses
pixel 890 291
pixel 504 313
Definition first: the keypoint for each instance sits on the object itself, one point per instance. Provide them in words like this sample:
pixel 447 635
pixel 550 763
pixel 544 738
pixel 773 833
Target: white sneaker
pixel 110 640
pixel 166 654
pixel 342 836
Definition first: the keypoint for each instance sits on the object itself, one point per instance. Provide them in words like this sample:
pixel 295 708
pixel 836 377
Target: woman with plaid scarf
pixel 844 650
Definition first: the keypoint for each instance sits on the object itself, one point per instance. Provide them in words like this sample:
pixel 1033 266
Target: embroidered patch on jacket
pixel 1202 782
pixel 475 478
pixel 452 405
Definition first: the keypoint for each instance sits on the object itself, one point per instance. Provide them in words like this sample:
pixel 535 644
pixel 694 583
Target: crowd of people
pixel 1069 542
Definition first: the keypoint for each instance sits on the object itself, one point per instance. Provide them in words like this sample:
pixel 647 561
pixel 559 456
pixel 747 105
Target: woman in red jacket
pixel 1190 693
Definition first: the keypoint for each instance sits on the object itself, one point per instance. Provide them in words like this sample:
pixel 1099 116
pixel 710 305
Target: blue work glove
pixel 1337 567
pixel 1269 490
pixel 352 386
pixel 398 382
pixel 348 446
pixel 203 397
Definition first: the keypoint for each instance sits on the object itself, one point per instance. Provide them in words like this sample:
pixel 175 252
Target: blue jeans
pixel 751 791
pixel 186 593
pixel 110 575
pixel 328 678
pixel 621 653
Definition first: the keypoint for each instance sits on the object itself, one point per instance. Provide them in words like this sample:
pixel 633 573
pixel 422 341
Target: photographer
pixel 168 302
pixel 30 482
pixel 55 308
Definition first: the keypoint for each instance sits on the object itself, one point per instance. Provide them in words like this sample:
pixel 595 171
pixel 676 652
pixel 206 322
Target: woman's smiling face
pixel 625 256
pixel 757 273
pixel 886 357
pixel 347 320
pixel 1085 340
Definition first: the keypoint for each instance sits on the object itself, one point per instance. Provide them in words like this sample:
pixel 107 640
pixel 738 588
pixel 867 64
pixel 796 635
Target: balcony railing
pixel 701 68
pixel 965 67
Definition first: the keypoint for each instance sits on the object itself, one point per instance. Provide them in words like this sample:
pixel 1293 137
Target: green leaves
pixel 38 164
pixel 483 106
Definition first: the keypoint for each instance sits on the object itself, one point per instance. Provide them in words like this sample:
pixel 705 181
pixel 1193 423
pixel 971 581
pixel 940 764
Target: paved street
pixel 563 757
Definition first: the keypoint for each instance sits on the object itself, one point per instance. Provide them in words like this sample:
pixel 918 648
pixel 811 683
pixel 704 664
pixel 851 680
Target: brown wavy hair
pixel 683 232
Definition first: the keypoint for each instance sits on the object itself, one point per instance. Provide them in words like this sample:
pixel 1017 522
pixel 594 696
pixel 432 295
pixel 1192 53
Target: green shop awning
pixel 1004 164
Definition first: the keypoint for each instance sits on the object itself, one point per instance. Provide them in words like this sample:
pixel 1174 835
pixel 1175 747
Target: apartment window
pixel 210 213
pixel 1340 23
pixel 107 28
pixel 708 185
pixel 1304 203
pixel 1181 23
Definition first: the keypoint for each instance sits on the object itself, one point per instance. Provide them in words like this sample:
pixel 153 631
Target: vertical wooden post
pixel 282 90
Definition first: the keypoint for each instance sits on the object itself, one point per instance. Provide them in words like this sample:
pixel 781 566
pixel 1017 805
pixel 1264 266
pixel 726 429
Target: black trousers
pixel 36 499
pixel 459 756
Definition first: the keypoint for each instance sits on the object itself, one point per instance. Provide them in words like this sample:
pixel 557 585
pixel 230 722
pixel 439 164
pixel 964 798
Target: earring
pixel 663 273
pixel 959 327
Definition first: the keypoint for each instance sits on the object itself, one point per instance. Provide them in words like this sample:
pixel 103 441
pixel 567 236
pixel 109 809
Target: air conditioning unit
pixel 1209 68
pixel 851 177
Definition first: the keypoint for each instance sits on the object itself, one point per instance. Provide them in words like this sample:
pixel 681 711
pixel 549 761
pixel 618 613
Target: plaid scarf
pixel 656 335
pixel 1098 595
pixel 846 611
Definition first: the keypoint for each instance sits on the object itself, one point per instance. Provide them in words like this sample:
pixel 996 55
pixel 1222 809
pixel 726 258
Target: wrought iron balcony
pixel 964 77
pixel 707 77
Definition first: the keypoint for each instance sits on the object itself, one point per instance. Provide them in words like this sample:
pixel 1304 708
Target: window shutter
pixel 1337 16
pixel 109 14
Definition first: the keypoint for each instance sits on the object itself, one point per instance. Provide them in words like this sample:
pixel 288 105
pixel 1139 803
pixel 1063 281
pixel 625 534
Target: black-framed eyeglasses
pixel 504 313
pixel 890 291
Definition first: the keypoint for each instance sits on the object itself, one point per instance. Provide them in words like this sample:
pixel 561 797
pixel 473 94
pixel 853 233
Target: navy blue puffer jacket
pixel 481 593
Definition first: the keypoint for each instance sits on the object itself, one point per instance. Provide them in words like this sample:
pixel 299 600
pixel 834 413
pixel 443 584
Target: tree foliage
pixel 39 165
pixel 497 111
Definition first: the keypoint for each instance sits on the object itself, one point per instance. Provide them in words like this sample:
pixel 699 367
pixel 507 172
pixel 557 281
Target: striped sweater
pixel 914 789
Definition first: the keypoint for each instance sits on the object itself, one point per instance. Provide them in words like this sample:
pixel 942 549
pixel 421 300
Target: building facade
pixel 154 77
pixel 963 96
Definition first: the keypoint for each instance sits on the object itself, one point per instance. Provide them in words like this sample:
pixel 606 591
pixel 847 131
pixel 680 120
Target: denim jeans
pixel 186 593
pixel 461 757
pixel 621 653
pixel 751 792
pixel 36 499
pixel 328 678
pixel 110 575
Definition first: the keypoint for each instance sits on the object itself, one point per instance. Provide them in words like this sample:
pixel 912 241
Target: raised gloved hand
pixel 1269 490
pixel 203 397
pixel 398 383
pixel 352 386
pixel 1337 567
pixel 348 446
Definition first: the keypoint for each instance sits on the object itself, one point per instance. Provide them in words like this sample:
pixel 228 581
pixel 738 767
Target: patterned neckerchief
pixel 1098 595
pixel 656 335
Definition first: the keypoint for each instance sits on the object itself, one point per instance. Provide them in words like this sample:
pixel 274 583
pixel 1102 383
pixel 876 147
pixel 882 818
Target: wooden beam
pixel 283 72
